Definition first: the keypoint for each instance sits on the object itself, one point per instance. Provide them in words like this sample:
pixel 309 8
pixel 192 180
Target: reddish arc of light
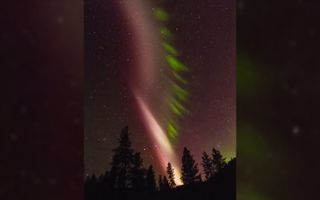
pixel 164 149
pixel 147 47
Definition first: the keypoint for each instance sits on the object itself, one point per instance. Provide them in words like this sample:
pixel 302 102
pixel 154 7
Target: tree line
pixel 128 176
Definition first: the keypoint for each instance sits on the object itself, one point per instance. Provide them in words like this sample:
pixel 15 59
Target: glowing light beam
pixel 165 153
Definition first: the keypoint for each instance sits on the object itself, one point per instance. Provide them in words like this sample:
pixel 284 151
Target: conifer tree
pixel 137 172
pixel 207 165
pixel 170 173
pixel 189 168
pixel 160 183
pixel 122 161
pixel 165 181
pixel 217 160
pixel 150 181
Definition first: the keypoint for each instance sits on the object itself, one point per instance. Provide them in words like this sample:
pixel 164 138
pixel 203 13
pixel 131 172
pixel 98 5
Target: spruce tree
pixel 217 160
pixel 160 183
pixel 165 181
pixel 137 172
pixel 170 173
pixel 189 168
pixel 150 181
pixel 122 161
pixel 207 165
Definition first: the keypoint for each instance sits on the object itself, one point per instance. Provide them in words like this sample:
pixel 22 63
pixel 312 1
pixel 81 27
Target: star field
pixel 205 37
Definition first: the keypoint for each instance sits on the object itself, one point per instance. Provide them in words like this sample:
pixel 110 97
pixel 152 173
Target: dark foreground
pixel 220 187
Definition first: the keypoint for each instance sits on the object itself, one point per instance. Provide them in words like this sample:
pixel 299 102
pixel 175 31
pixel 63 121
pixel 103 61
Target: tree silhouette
pixel 217 160
pixel 122 161
pixel 127 178
pixel 137 172
pixel 189 168
pixel 150 181
pixel 165 181
pixel 207 165
pixel 160 183
pixel 170 172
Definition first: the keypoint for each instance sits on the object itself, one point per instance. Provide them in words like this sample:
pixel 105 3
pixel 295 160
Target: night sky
pixel 278 93
pixel 119 62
